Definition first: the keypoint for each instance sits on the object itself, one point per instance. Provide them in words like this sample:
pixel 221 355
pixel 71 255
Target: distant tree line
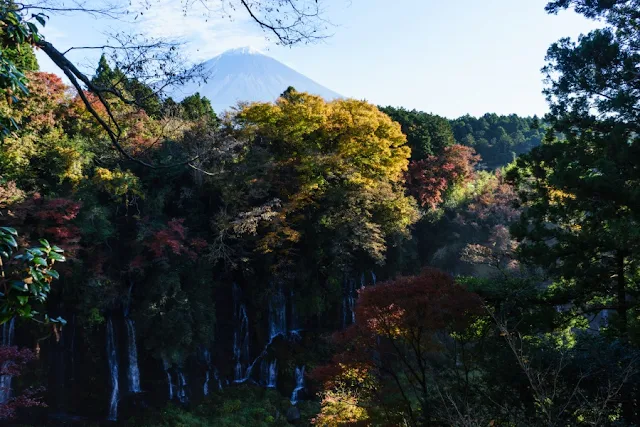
pixel 497 139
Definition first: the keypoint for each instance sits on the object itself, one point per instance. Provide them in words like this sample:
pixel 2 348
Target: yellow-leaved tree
pixel 323 181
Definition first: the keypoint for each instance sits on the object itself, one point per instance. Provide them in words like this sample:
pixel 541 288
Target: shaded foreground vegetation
pixel 324 263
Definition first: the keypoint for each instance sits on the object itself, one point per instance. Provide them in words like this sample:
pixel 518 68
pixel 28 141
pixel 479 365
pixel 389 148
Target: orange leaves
pixel 169 240
pixel 430 301
pixel 429 179
pixel 46 104
pixel 398 327
pixel 337 168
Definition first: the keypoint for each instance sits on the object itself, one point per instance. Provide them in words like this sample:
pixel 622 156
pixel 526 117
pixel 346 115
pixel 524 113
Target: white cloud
pixel 205 33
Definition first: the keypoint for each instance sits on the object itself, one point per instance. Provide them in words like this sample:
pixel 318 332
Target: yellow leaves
pixel 340 163
pixel 72 164
pixel 387 321
pixel 354 136
pixel 344 404
pixel 339 408
pixel 118 183
pixel 558 196
pixel 287 120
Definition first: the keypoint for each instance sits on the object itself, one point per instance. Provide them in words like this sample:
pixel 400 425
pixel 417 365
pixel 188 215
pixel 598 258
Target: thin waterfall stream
pixel 8 331
pixel 295 395
pixel 112 357
pixel 133 373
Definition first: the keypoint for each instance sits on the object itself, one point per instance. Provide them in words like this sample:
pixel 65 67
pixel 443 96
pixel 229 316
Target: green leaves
pixel 26 276
pixel 580 192
pixel 16 33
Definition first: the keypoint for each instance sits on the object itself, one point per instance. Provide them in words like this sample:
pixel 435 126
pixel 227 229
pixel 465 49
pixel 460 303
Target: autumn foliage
pixel 428 180
pixel 400 327
pixel 172 239
pixel 13 362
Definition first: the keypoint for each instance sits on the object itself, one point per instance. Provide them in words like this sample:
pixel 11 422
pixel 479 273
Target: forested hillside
pixel 317 262
pixel 497 139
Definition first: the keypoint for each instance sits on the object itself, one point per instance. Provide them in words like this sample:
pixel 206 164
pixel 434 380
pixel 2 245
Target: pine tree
pixel 581 190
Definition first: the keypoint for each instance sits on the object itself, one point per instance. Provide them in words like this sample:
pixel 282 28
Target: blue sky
pixel 449 57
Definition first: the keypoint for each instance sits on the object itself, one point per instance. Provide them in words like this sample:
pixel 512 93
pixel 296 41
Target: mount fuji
pixel 246 74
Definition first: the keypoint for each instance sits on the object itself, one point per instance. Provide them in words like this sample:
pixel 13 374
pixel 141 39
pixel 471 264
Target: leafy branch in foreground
pixel 154 63
pixel 25 276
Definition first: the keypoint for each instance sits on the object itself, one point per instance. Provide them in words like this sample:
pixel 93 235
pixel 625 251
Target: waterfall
pixel 216 376
pixel 134 373
pixel 349 303
pixel 269 373
pixel 166 367
pixel 8 332
pixel 294 322
pixel 73 348
pixel 350 293
pixel 299 385
pixel 277 314
pixel 277 328
pixel 182 388
pixel 240 336
pixel 112 357
pixel 207 360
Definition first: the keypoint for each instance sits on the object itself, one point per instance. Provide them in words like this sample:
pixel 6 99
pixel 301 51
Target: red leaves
pixel 51 219
pixel 58 211
pixel 172 240
pixel 429 179
pixel 28 399
pixel 401 318
pixel 430 301
pixel 54 217
pixel 13 361
pixel 495 205
pixel 47 102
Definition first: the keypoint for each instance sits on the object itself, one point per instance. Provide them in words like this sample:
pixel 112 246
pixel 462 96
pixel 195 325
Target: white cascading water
pixel 167 366
pixel 112 357
pixel 294 321
pixel 7 341
pixel 182 388
pixel 349 303
pixel 133 373
pixel 240 336
pixel 349 298
pixel 216 376
pixel 269 373
pixel 207 360
pixel 277 314
pixel 299 385
pixel 277 328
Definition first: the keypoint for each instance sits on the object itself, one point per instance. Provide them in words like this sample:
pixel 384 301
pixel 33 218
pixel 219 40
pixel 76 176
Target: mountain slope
pixel 247 75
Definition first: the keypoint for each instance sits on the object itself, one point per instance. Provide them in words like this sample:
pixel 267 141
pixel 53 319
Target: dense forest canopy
pixel 497 139
pixel 317 262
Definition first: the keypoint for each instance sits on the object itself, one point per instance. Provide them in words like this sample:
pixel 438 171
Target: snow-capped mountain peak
pixel 246 74
pixel 246 50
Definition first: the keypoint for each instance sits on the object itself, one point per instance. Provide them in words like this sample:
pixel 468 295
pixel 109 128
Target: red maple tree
pixel 13 362
pixel 401 327
pixel 429 179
